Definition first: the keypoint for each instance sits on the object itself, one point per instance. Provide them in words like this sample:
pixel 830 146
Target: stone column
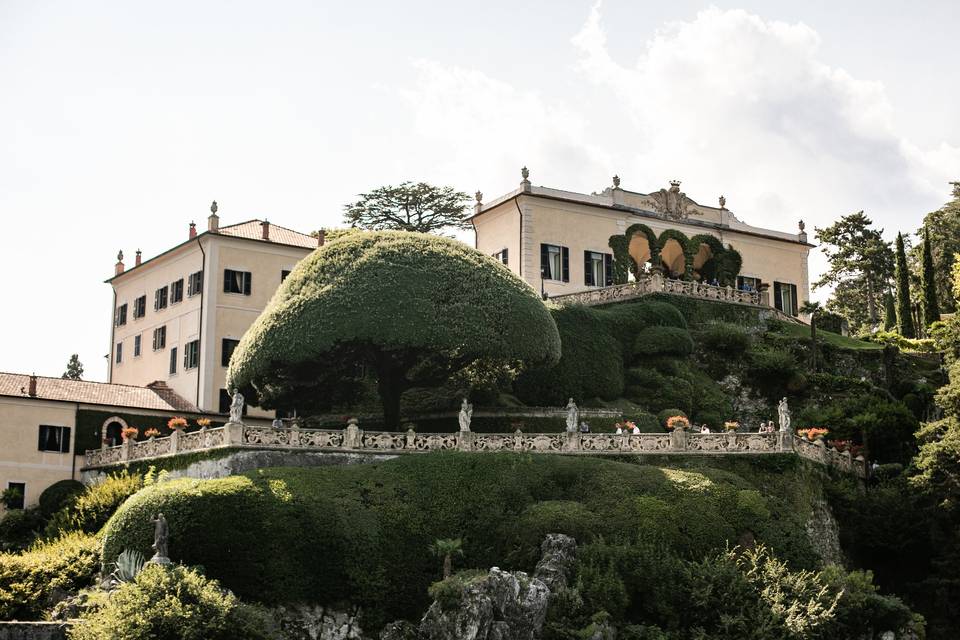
pixel 353 435
pixel 465 440
pixel 571 441
pixel 678 439
pixel 125 450
pixel 175 441
pixel 411 442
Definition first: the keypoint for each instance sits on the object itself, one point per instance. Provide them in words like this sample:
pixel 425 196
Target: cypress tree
pixel 931 310
pixel 889 312
pixel 902 277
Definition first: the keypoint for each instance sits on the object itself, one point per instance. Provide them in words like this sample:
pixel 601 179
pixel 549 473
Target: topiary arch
pixel 410 307
pixel 723 262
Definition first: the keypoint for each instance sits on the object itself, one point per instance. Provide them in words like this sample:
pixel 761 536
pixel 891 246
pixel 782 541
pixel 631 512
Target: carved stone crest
pixel 672 202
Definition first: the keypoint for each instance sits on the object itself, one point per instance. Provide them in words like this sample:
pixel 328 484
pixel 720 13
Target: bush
pixel 28 580
pixel 647 423
pixel 376 521
pixel 654 391
pixel 19 528
pixel 770 371
pixel 175 602
pixel 654 341
pixel 58 495
pixel 725 338
pixel 666 414
pixel 91 509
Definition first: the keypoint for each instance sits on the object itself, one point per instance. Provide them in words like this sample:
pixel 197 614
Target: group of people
pixel 622 430
pixel 767 427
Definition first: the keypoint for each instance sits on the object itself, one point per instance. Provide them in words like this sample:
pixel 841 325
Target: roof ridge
pixel 272 224
pixel 71 380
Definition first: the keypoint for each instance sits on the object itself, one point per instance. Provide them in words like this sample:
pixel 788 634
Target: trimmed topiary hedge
pixel 361 533
pixel 654 341
pixel 58 495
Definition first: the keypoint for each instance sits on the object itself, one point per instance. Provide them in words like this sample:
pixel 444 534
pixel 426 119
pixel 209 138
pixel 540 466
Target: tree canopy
pixel 409 207
pixel 410 308
pixel 904 307
pixel 74 368
pixel 860 266
pixel 943 228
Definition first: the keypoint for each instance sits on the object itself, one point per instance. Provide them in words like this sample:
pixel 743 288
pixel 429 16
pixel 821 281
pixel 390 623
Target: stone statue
pixel 573 416
pixel 277 423
pixel 160 540
pixel 466 415
pixel 784 413
pixel 672 202
pixel 236 407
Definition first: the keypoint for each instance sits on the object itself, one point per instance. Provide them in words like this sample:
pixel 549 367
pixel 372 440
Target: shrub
pixel 654 391
pixel 175 602
pixel 666 414
pixel 770 370
pixel 19 528
pixel 27 580
pixel 663 340
pixel 58 495
pixel 91 509
pixel 376 521
pixel 724 338
pixel 647 423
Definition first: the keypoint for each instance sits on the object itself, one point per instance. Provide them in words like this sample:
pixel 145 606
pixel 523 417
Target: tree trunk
pixel 447 566
pixel 391 383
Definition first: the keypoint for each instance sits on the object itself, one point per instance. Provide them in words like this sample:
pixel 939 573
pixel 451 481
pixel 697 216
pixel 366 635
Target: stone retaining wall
pixel 33 630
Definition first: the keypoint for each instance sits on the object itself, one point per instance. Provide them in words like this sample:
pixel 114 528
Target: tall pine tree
pixel 902 278
pixel 74 368
pixel 931 310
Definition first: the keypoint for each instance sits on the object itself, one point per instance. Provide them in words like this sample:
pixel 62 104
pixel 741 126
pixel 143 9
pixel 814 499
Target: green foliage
pixel 19 528
pixel 666 414
pixel 129 564
pixel 27 580
pixel 448 306
pixel 922 345
pixel 904 308
pixel 771 370
pixel 175 602
pixel 419 207
pixel 74 368
pixel 377 521
pixel 663 341
pixel 928 283
pixel 448 593
pixel 724 338
pixel 591 364
pixel 91 509
pixel 59 495
pixel 943 229
pixel 889 312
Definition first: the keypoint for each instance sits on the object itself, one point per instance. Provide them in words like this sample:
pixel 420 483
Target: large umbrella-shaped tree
pixel 409 308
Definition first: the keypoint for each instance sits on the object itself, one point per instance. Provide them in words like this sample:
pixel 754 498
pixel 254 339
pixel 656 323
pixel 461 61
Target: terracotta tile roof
pixel 157 395
pixel 252 230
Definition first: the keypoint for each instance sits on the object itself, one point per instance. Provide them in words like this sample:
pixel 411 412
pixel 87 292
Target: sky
pixel 120 121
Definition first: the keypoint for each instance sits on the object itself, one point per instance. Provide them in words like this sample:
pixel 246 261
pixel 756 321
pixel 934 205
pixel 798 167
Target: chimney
pixel 32 388
pixel 137 263
pixel 193 230
pixel 213 221
pixel 265 229
pixel 321 237
pixel 118 268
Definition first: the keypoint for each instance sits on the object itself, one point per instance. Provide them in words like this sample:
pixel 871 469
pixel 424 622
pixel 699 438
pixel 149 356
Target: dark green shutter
pixel 793 296
pixel 545 262
pixel 777 300
pixel 608 269
pixel 247 281
pixel 587 271
pixel 566 263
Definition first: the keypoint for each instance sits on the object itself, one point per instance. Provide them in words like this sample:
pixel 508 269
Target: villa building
pixel 561 242
pixel 178 316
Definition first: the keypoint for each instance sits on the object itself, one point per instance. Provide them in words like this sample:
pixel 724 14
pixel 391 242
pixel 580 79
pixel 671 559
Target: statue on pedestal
pixel 466 415
pixel 784 414
pixel 573 416
pixel 236 407
pixel 160 540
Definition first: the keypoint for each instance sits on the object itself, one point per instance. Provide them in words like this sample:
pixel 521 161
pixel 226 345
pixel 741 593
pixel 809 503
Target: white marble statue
pixel 573 416
pixel 236 407
pixel 466 415
pixel 784 413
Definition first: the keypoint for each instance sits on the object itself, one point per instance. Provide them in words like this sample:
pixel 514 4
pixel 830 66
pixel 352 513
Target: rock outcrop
pixel 502 605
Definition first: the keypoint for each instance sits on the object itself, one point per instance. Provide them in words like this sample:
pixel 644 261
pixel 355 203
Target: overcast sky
pixel 120 121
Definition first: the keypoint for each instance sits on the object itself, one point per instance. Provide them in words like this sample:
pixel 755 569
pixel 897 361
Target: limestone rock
pixel 315 622
pixel 558 555
pixel 400 630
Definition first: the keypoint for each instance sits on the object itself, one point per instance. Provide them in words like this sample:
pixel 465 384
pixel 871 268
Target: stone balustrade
pixel 354 439
pixel 656 283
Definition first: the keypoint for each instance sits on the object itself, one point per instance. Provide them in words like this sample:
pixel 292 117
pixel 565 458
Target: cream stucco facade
pixel 526 220
pixel 191 360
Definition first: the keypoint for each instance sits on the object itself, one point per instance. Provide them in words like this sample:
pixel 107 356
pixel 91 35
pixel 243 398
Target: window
pixel 136 345
pixel 54 439
pixel 785 297
pixel 160 338
pixel 121 318
pixel 176 291
pixel 173 361
pixel 597 269
pixel 191 355
pixel 17 492
pixel 236 281
pixel 195 283
pixel 229 344
pixel 283 274
pixel 119 352
pixel 746 283
pixel 140 307
pixel 554 262
pixel 160 299
pixel 501 256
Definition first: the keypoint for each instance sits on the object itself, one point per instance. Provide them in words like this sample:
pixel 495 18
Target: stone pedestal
pixel 572 441
pixel 175 441
pixel 784 441
pixel 233 434
pixel 678 439
pixel 465 440
pixel 353 435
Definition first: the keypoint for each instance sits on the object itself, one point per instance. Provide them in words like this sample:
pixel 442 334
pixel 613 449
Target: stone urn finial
pixel 723 202
pixel 213 207
pixel 120 256
pixel 479 196
pixel 803 226
pixel 525 173
pixel 616 182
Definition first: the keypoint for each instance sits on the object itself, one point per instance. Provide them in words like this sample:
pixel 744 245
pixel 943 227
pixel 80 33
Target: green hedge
pixel 27 580
pixel 361 533
pixel 654 341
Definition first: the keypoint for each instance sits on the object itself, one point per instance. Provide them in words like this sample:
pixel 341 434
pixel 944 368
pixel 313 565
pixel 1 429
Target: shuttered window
pixel 597 269
pixel 191 355
pixel 502 256
pixel 121 315
pixel 136 345
pixel 140 307
pixel 237 281
pixel 194 283
pixel 160 338
pixel 176 291
pixel 54 439
pixel 555 262
pixel 226 350
pixel 785 298
pixel 173 361
pixel 160 299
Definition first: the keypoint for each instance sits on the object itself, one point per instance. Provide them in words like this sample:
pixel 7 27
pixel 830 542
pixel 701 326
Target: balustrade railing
pixel 656 283
pixel 354 439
